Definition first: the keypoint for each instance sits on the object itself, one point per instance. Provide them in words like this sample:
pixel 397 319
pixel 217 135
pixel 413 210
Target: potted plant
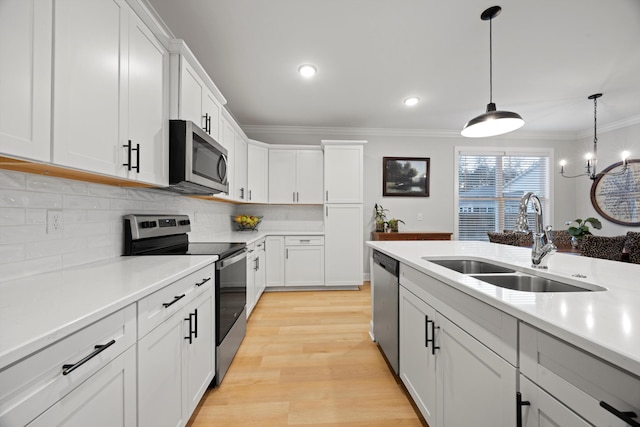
pixel 380 216
pixel 578 228
pixel 393 224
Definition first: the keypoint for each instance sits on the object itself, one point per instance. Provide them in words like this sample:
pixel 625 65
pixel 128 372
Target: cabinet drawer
pixel 32 385
pixel 578 379
pixel 162 304
pixel 303 240
pixel 496 329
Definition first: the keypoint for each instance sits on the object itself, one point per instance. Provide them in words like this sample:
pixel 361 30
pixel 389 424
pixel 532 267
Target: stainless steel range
pixel 167 235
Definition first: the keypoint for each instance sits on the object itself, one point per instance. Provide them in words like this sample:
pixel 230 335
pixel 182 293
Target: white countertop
pixel 41 309
pixel 606 324
pixel 252 236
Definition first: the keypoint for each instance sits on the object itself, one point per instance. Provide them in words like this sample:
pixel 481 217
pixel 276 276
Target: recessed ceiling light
pixel 410 102
pixel 307 70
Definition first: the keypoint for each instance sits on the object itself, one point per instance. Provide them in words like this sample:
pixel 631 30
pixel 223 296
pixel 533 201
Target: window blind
pixel 490 186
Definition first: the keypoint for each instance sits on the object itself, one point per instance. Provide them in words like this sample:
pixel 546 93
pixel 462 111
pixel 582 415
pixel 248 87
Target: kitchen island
pixel 584 344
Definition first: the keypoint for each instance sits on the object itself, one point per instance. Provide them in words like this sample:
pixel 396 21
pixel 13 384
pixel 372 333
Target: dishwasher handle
pixel 386 262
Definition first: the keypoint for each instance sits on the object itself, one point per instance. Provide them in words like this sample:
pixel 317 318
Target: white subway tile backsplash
pixel 22 233
pixel 55 185
pixel 47 248
pixel 10 179
pixel 93 224
pixel 12 216
pixel 36 216
pixel 86 202
pixel 30 199
pixel 11 253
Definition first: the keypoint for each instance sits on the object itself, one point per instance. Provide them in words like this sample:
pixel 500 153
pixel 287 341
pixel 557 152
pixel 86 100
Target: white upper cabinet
pixel 257 172
pixel 343 173
pixel 295 176
pixel 240 152
pixel 110 92
pixel 197 102
pixel 25 78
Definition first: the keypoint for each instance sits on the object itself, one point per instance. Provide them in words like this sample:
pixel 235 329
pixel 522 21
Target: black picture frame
pixel 405 176
pixel 616 195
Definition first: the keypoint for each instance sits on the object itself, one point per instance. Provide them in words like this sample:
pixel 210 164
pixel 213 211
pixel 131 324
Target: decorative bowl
pixel 247 222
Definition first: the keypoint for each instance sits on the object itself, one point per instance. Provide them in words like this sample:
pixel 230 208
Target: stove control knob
pixel 185 222
pixel 148 224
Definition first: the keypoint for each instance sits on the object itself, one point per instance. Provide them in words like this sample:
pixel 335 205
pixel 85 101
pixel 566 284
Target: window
pixel 490 185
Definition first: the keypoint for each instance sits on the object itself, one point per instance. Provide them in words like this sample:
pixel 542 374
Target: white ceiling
pixel 548 56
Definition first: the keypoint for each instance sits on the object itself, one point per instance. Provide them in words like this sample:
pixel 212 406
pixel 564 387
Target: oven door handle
pixel 224 263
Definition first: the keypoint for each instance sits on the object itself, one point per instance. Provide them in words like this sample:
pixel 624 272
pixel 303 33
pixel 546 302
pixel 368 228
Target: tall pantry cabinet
pixel 343 220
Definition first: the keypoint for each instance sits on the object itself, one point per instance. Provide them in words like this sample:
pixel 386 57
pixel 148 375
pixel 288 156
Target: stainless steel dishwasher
pixel 385 306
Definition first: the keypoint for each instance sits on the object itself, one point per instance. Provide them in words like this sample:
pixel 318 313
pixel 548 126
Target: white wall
pixel 610 145
pixel 437 209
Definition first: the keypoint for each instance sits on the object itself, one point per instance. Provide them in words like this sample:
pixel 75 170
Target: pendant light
pixel 493 122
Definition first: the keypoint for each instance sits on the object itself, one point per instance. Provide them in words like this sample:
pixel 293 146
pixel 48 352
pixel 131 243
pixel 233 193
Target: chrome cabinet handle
pixel 67 369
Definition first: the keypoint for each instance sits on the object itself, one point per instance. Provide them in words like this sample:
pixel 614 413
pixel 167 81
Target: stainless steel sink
pixel 469 266
pixel 532 283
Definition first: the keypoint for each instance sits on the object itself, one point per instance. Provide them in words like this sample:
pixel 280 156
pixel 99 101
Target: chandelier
pixel 592 158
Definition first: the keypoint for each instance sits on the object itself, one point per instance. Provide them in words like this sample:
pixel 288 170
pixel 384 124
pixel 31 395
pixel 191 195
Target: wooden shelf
pixel 411 235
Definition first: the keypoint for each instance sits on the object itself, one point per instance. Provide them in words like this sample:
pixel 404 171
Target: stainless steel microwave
pixel 197 162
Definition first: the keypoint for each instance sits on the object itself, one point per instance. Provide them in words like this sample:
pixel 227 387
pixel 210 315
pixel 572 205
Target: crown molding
pixel 431 133
pixel 610 127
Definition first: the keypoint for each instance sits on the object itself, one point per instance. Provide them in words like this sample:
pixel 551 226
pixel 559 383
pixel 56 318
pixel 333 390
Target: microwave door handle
pixel 222 168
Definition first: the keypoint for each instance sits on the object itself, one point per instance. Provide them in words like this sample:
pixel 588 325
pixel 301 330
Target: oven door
pixel 231 292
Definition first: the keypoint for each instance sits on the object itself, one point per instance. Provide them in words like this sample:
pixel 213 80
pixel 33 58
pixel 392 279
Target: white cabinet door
pixel 251 278
pixel 106 399
pixel 474 383
pixel 343 173
pixel 261 270
pixel 199 353
pixel 148 107
pixel 274 254
pixel 160 373
pixel 89 49
pixel 191 94
pixel 26 28
pixel 343 244
pixel 544 410
pixel 417 361
pixel 304 265
pixel 257 173
pixel 211 112
pixel 240 168
pixel 309 176
pixel 282 176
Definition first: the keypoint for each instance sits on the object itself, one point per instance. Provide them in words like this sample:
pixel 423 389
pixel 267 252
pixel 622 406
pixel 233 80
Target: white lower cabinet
pixel 107 399
pixel 251 278
pixel 86 378
pixel 176 359
pixel 260 271
pixel 274 255
pixel 583 386
pixel 343 244
pixel 454 378
pixel 304 261
pixel 540 409
pixel 417 363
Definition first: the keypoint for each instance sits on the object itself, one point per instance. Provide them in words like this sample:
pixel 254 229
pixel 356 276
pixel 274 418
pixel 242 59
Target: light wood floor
pixel 307 359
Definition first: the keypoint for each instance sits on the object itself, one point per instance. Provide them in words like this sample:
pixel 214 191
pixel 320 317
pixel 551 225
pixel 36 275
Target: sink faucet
pixel 543 246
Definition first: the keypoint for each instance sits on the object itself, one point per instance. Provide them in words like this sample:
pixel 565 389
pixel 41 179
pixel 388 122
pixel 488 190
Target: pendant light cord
pixel 490 61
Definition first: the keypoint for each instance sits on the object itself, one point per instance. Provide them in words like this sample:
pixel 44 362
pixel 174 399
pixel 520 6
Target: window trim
pixel 500 151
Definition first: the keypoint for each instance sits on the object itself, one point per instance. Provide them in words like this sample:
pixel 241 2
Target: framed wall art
pixel 615 194
pixel 405 176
